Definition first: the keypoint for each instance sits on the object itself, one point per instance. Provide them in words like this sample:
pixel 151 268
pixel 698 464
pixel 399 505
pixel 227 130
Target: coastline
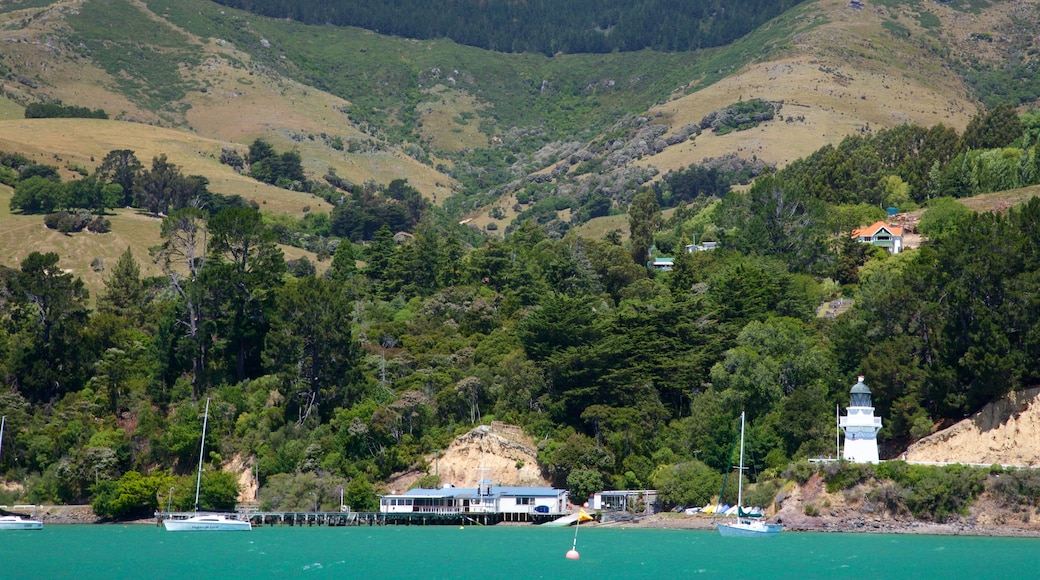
pixel 959 526
pixel 963 526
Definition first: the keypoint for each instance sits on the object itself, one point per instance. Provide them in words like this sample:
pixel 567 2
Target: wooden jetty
pixel 351 518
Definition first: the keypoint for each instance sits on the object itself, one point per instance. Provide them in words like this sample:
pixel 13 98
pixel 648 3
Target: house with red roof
pixel 881 234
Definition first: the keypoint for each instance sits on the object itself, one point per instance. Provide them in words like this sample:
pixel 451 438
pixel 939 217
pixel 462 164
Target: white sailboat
pixel 15 522
pixel 745 526
pixel 205 522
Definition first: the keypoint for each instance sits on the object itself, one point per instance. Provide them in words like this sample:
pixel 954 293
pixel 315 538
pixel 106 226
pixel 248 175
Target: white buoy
pixel 573 554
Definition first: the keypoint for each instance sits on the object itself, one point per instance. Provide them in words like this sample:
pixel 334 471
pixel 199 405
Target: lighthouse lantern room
pixel 861 426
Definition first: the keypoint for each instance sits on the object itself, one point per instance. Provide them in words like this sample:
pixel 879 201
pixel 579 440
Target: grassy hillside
pixel 377 108
pixel 82 143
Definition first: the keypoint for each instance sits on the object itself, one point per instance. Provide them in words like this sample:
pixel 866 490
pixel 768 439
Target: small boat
pixel 19 523
pixel 15 522
pixel 205 522
pixel 746 525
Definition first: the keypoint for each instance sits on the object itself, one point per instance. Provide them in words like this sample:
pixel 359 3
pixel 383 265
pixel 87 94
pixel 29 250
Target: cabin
pixel 662 264
pixel 631 500
pixel 704 247
pixel 881 234
pixel 485 498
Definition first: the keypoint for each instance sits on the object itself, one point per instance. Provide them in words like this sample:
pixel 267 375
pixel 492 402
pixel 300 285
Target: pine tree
pixel 124 294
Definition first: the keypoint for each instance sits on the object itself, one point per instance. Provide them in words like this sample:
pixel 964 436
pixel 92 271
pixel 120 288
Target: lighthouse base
pixel 861 450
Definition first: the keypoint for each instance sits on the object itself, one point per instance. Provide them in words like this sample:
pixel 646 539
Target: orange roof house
pixel 881 234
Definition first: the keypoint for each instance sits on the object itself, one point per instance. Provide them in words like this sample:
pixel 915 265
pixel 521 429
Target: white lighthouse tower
pixel 861 426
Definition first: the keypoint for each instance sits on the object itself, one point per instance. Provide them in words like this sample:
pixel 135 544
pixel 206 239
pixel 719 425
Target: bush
pixel 65 222
pixel 935 493
pixel 811 510
pixel 232 158
pixel 801 471
pixel 100 225
pixel 763 493
pixel 134 495
pixel 1015 487
pixel 843 475
pixel 427 482
pixel 890 496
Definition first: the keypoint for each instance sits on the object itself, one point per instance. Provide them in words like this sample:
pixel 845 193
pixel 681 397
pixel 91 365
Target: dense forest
pixel 543 26
pixel 625 374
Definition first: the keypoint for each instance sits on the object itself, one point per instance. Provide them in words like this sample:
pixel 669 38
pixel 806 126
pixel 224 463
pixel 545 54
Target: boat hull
pixel 749 530
pixel 20 524
pixel 207 524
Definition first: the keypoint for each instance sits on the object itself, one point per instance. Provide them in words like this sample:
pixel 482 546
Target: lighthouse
pixel 861 426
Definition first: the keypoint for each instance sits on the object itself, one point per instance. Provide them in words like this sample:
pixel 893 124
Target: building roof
pixel 463 492
pixel 860 387
pixel 872 230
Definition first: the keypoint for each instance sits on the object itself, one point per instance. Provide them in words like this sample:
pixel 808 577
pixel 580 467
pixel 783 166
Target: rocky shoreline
pixel 869 525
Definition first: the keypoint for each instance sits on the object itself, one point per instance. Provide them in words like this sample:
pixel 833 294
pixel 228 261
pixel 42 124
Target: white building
pixel 643 500
pixel 861 426
pixel 485 498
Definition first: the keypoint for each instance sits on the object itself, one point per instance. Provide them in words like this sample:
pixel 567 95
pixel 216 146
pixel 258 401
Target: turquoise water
pixel 87 552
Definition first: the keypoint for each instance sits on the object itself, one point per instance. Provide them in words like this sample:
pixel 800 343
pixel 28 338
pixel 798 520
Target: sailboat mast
pixel 3 420
pixel 740 474
pixel 202 448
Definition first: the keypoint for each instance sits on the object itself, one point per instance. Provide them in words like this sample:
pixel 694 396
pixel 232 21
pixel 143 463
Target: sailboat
pixel 15 522
pixel 205 522
pixel 745 526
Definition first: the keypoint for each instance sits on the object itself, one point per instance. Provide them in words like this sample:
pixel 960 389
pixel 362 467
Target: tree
pixel 120 167
pixel 93 194
pixel 941 218
pixel 182 256
pixel 133 496
pixel 312 349
pixel 124 293
pixel 471 389
pixel 260 150
pixel 582 483
pixel 997 128
pixel 38 195
pixel 690 483
pixel 157 188
pixel 344 262
pixel 560 323
pixel 776 219
pixel 644 218
pixel 245 265
pixel 49 307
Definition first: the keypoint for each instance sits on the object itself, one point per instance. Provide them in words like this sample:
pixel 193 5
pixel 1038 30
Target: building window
pixel 525 501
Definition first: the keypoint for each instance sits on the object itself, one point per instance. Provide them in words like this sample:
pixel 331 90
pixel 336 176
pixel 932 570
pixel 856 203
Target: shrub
pixel 801 471
pixel 890 496
pixel 1015 487
pixel 763 493
pixel 843 475
pixel 811 510
pixel 100 225
pixel 688 483
pixel 936 492
pixel 232 158
pixel 427 482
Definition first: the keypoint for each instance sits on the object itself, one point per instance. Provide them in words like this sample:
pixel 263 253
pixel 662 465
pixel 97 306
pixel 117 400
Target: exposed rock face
pixel 507 456
pixel 1006 431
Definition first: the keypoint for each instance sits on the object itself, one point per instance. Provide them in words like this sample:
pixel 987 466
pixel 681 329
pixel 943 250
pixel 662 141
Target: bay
pixel 142 551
